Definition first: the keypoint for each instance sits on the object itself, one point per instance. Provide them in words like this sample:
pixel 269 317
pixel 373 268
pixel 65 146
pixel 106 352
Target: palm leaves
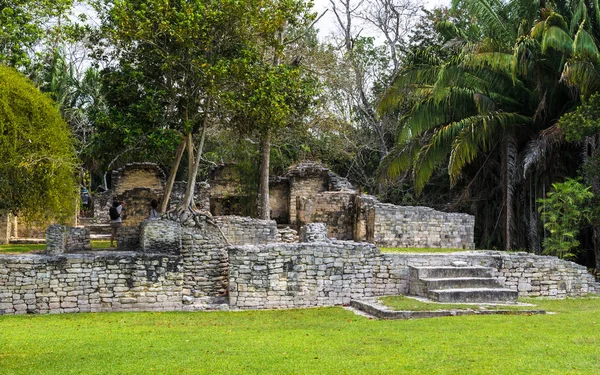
pixel 489 93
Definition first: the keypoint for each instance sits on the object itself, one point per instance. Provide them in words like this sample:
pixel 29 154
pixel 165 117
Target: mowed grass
pixel 30 248
pixel 308 341
pixel 417 250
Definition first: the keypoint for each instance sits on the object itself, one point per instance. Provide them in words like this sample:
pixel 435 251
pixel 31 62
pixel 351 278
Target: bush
pixel 37 168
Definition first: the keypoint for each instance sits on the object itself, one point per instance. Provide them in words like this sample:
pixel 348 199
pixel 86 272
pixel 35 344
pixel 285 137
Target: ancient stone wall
pixel 336 209
pixel 128 237
pixel 135 175
pixel 205 262
pixel 89 283
pixel 160 236
pixel 307 187
pixel 63 239
pixel 308 274
pixel 206 273
pixel 389 225
pixel 531 275
pixel 279 198
pixel 241 230
pixel 201 195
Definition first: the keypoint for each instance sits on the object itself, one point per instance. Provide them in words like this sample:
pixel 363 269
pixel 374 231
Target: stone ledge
pixel 381 312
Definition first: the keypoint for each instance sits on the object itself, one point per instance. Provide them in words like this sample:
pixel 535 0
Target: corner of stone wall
pixel 314 232
pixel 160 236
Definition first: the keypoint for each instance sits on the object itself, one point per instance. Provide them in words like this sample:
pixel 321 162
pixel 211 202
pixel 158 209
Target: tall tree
pixel 25 23
pixel 174 57
pixel 497 97
pixel 38 159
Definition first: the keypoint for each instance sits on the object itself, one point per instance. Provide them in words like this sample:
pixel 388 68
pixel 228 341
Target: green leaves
pixel 38 163
pixel 565 208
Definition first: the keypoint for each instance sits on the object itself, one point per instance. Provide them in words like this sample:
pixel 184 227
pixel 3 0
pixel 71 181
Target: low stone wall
pixel 531 275
pixel 309 274
pixel 63 239
pixel 388 225
pixel 205 262
pixel 89 283
pixel 244 230
pixel 160 236
pixel 128 237
pixel 208 273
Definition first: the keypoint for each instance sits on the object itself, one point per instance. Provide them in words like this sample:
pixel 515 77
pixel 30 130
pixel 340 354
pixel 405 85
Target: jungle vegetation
pixel 488 107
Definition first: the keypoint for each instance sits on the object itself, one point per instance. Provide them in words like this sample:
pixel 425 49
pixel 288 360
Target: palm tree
pixel 490 109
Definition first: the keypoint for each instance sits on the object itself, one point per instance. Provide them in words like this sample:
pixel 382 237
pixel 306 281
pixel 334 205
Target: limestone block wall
pixel 160 236
pixel 244 230
pixel 336 209
pixel 389 225
pixel 531 275
pixel 128 237
pixel 205 262
pixel 308 274
pixel 89 283
pixel 135 175
pixel 63 239
pixel 306 187
pixel 201 195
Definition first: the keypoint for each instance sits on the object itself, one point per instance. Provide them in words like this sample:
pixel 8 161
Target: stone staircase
pixel 459 284
pixel 97 231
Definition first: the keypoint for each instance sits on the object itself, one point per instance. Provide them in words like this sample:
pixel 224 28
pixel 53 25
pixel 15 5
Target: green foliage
pixel 24 23
pixel 584 121
pixel 563 211
pixel 38 160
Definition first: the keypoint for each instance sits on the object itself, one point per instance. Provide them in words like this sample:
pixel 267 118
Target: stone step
pixel 474 295
pixel 27 241
pixel 99 229
pixel 462 282
pixel 452 272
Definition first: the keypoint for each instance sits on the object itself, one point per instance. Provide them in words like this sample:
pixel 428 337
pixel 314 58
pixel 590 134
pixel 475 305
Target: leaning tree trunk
pixel 264 206
pixel 509 156
pixel 188 200
pixel 172 174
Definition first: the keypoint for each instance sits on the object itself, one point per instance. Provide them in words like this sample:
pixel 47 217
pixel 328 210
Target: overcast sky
pixel 327 23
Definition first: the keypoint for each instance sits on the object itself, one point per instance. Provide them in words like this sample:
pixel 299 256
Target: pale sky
pixel 327 23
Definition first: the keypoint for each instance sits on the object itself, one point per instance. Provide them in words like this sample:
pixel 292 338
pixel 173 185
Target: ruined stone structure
pixel 189 266
pixel 137 184
pixel 310 192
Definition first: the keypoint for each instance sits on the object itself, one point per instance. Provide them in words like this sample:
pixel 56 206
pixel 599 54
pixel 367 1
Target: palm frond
pixel 583 75
pixel 476 135
pixel 584 46
pixel 427 160
pixel 496 61
pixel 558 39
pixel 537 31
pixel 399 160
pixel 536 150
pixel 579 16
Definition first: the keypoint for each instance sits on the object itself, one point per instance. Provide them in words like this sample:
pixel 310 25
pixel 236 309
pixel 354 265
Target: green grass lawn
pixel 417 250
pixel 309 341
pixel 28 248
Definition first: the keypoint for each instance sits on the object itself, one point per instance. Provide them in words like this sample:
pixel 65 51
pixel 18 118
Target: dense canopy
pixel 37 171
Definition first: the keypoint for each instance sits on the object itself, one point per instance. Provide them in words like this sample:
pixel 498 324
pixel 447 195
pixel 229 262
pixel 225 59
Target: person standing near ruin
pixel 153 209
pixel 115 220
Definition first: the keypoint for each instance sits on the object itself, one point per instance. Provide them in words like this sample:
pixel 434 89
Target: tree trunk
pixel 188 200
pixel 264 206
pixel 190 148
pixel 172 174
pixel 508 167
